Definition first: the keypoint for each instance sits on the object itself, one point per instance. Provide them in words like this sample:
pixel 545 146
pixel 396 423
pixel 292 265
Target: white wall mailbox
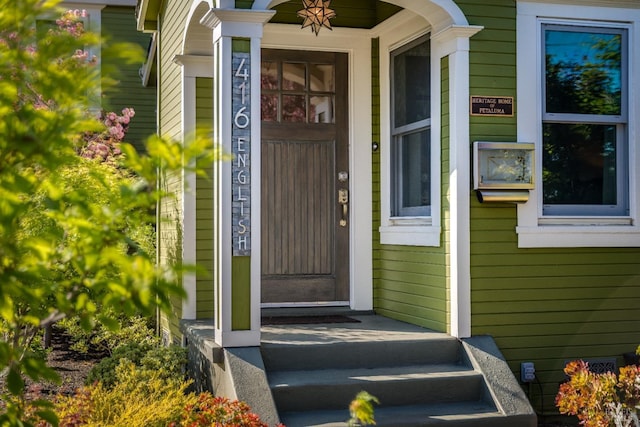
pixel 503 171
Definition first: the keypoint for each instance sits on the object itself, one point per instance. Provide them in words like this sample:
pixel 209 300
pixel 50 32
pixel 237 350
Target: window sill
pixel 595 234
pixel 410 234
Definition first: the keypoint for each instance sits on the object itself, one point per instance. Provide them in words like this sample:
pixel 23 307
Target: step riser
pixel 389 393
pixel 360 355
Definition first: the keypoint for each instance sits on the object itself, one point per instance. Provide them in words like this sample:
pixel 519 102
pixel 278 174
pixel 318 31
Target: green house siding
pixel 172 23
pixel 541 305
pixel 410 282
pixel 119 25
pixel 171 28
pixel 445 207
pixel 204 209
pixel 169 232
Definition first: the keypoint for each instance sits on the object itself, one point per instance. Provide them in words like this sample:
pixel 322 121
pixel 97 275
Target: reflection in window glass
pixel 579 164
pixel 269 75
pixel 321 109
pixel 583 72
pixel 411 127
pixel 412 92
pixel 294 108
pixel 584 144
pixel 321 77
pixel 294 76
pixel 297 92
pixel 269 107
pixel 415 173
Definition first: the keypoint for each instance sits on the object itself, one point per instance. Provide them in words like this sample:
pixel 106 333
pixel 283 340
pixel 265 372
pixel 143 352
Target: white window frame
pixel 535 229
pixel 407 230
pixel 398 134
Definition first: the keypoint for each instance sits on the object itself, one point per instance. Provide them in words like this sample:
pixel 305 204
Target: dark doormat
pixel 306 320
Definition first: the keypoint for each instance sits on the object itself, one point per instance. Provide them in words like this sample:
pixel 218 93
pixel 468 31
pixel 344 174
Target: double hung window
pixel 578 102
pixel 410 130
pixel 584 121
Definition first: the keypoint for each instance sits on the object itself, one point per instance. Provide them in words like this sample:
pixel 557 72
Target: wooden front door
pixel 305 165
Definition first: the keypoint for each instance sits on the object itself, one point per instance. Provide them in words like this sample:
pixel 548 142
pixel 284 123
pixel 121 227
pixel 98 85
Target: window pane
pixel 321 77
pixel 294 76
pixel 269 107
pixel 294 108
pixel 413 176
pixel 321 109
pixel 583 72
pixel 579 164
pixel 411 85
pixel 269 75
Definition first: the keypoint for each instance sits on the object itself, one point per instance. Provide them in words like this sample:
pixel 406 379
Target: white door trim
pixel 357 44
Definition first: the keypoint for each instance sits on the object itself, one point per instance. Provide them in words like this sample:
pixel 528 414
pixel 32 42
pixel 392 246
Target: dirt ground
pixel 73 367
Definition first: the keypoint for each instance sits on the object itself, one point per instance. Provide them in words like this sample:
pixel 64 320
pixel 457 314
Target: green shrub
pixel 170 361
pixel 105 371
pixel 138 398
pixel 166 362
pixel 134 329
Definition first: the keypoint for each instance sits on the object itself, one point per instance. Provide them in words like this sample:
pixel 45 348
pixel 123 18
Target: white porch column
pixel 453 42
pixel 236 124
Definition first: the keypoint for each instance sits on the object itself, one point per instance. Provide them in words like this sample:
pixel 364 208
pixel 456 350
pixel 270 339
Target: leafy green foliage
pixel 138 398
pixel 361 409
pixel 72 229
pixel 165 362
pixel 134 329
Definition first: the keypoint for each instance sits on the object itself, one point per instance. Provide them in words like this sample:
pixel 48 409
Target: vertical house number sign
pixel 241 149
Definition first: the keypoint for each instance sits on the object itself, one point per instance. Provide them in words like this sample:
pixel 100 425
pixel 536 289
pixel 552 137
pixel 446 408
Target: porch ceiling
pixel 352 13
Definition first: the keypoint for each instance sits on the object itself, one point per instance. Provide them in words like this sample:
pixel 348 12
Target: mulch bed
pixel 72 366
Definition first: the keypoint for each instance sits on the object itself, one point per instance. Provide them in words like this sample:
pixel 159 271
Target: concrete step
pixel 401 385
pixel 426 349
pixel 421 377
pixel 453 414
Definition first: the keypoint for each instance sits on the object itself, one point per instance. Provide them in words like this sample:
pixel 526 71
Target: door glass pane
pixel 294 108
pixel 269 107
pixel 294 76
pixel 413 175
pixel 411 85
pixel 321 77
pixel 579 164
pixel 321 109
pixel 269 75
pixel 583 72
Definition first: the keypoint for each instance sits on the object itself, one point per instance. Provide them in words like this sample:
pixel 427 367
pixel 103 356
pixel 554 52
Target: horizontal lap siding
pixel 204 209
pixel 409 281
pixel 119 25
pixel 444 160
pixel 541 305
pixel 172 24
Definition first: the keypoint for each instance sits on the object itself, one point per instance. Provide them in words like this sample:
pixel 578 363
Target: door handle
pixel 343 200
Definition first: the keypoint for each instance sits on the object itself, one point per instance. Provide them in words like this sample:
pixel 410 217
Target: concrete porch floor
pixel 370 328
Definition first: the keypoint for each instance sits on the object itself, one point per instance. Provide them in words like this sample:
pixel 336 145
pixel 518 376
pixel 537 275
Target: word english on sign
pixel 241 149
